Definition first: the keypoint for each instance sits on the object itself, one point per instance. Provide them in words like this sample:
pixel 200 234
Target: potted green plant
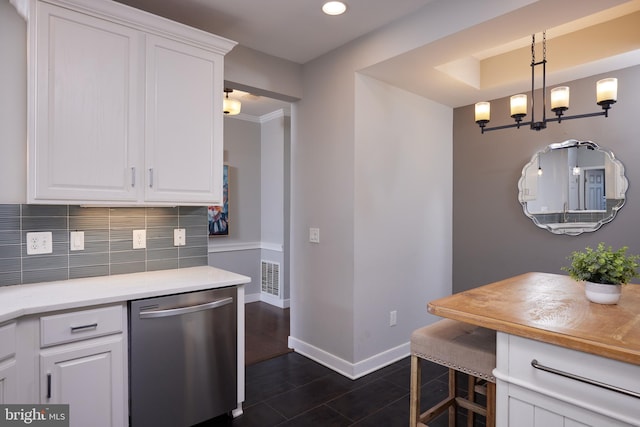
pixel 603 271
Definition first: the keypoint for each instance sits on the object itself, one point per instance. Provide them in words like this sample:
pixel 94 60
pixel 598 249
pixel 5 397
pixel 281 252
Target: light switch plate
pixel 39 243
pixel 314 235
pixel 76 241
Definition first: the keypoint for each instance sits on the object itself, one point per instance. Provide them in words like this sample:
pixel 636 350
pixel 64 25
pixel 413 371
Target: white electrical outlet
pixel 314 235
pixel 39 243
pixel 76 241
pixel 179 237
pixel 393 318
pixel 139 239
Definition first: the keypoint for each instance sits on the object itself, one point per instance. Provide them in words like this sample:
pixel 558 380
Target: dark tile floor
pixel 292 390
pixel 286 389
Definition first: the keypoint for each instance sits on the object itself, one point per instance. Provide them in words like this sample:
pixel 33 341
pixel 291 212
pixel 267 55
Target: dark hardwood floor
pixel 286 389
pixel 266 332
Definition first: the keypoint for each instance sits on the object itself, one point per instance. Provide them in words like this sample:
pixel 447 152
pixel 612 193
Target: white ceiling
pixel 451 70
pixel 296 30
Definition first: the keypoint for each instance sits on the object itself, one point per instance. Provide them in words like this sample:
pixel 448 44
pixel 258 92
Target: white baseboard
pixel 273 300
pixel 350 370
pixel 269 299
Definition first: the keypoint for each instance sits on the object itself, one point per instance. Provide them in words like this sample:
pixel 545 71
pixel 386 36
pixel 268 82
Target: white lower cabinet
pixel 89 376
pixel 78 358
pixel 8 371
pixel 568 396
pixel 8 379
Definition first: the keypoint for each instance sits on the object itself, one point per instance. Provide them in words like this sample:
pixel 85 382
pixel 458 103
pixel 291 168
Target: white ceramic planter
pixel 602 294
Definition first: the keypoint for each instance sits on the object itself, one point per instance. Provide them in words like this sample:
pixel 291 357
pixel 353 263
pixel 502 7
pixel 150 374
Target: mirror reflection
pixel 572 187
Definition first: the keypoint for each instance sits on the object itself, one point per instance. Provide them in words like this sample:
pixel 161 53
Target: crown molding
pixel 258 119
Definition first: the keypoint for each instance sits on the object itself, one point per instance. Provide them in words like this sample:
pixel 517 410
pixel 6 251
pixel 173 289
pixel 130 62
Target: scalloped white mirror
pixel 572 187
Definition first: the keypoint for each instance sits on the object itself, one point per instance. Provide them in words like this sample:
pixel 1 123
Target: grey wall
pixel 274 218
pixel 246 262
pixel 242 153
pixel 255 153
pixel 262 74
pixel 240 250
pixel 272 181
pixel 492 238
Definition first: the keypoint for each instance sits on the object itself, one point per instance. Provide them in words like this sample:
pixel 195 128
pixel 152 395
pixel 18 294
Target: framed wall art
pixel 219 215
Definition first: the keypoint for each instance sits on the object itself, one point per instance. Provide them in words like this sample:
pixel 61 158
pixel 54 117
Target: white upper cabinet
pixel 124 107
pixel 183 144
pixel 87 116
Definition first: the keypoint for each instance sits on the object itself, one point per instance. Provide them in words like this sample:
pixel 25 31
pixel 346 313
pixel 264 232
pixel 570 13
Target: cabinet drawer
pixel 80 325
pixel 7 340
pixel 580 391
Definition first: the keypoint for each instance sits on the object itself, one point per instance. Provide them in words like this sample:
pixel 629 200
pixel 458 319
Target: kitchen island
pixel 592 350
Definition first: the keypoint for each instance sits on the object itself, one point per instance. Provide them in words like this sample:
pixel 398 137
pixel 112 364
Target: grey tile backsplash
pixel 108 244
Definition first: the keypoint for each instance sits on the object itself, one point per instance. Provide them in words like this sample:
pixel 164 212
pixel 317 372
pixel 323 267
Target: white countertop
pixel 21 300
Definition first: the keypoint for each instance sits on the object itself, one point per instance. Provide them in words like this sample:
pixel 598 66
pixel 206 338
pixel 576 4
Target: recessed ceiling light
pixel 334 8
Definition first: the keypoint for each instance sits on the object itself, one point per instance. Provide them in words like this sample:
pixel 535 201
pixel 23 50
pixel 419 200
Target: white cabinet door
pixel 530 409
pixel 8 382
pixel 89 376
pixel 85 138
pixel 183 123
pixel 8 370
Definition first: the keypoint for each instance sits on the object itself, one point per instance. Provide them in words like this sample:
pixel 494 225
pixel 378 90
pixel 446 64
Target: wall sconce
pixel 230 106
pixel 607 95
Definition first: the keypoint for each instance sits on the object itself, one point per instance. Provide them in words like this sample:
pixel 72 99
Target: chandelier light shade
pixel 483 112
pixel 560 98
pixel 518 106
pixel 607 91
pixel 230 106
pixel 606 96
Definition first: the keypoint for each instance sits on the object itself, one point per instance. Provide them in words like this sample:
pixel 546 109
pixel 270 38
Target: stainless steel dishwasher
pixel 182 358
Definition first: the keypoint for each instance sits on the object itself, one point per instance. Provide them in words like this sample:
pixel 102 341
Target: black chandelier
pixel 606 90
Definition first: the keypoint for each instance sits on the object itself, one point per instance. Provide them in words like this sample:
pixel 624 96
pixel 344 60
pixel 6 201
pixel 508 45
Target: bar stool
pixel 460 347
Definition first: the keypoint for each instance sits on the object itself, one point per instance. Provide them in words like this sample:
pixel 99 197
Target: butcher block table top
pixel 551 308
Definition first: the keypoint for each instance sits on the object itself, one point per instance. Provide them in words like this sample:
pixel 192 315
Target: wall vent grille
pixel 271 278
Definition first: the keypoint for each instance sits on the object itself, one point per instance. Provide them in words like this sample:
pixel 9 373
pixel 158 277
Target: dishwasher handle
pixel 152 314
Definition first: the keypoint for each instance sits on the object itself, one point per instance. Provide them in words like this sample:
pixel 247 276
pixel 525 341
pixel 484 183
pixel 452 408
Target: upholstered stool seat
pixel 460 347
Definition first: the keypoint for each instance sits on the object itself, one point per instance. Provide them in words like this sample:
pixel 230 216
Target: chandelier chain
pixel 533 48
